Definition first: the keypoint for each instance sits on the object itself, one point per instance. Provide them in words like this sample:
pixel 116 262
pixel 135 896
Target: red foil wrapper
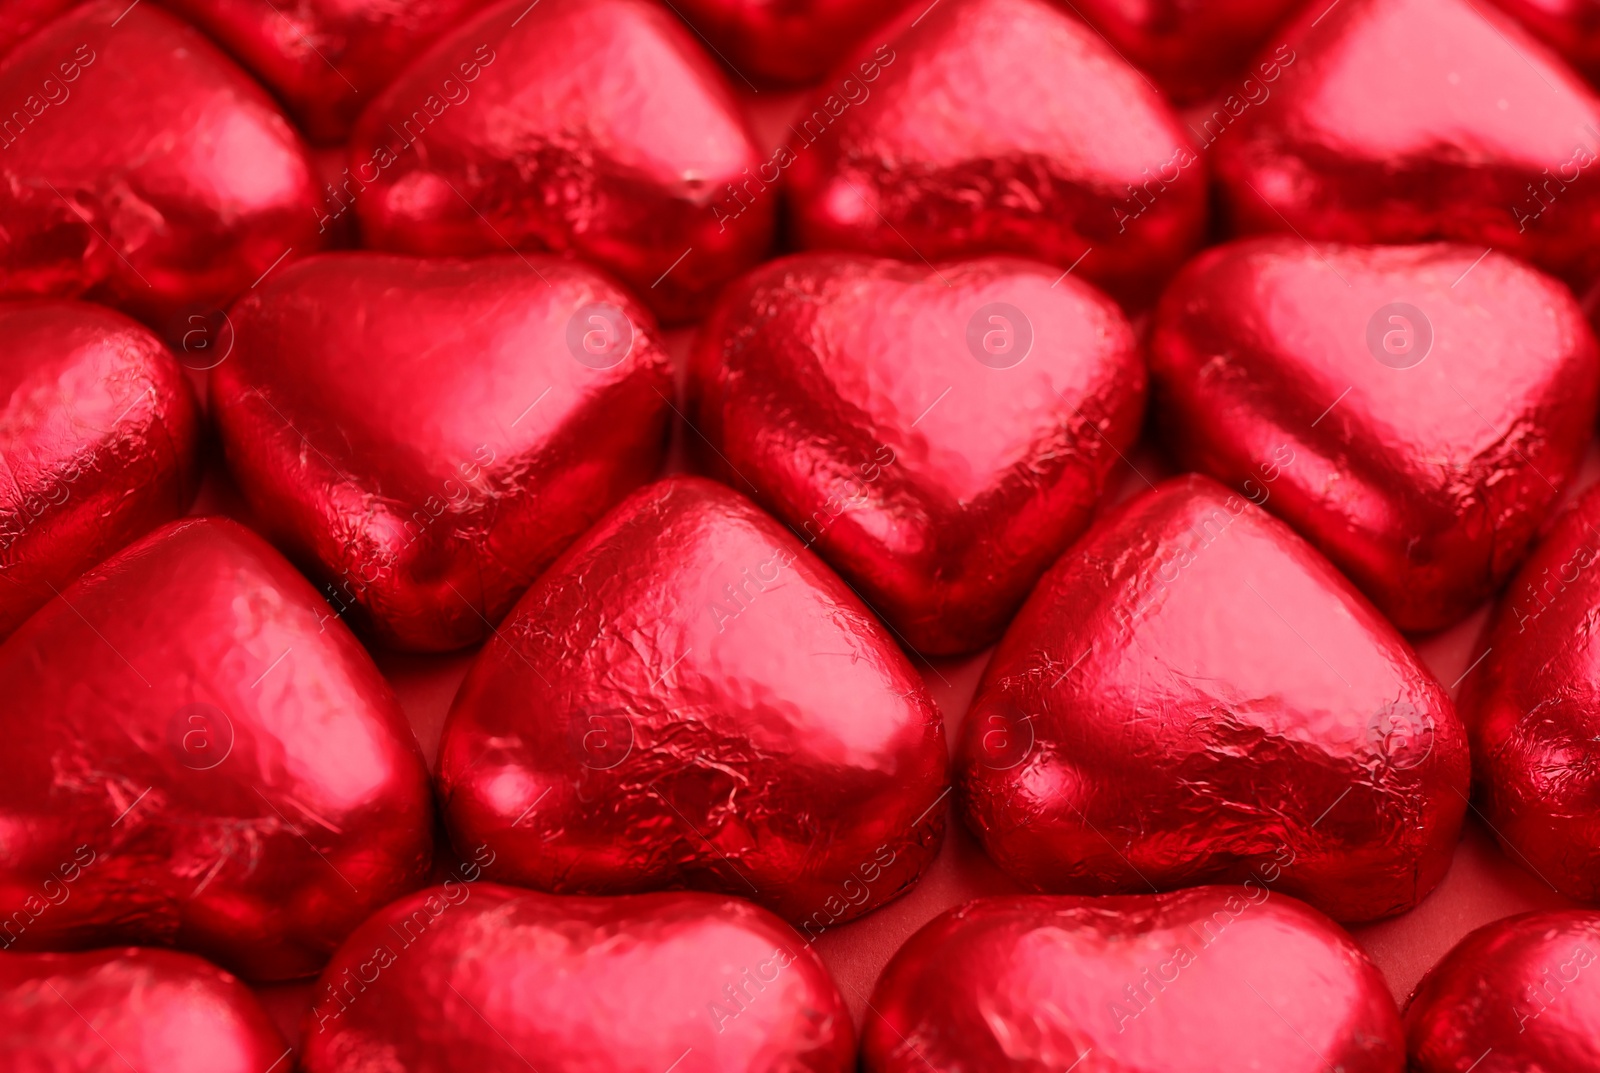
pixel 939 435
pixel 793 42
pixel 1571 27
pixel 1414 411
pixel 99 434
pixel 199 754
pixel 143 168
pixel 596 128
pixel 1416 120
pixel 1193 691
pixel 427 435
pixel 916 148
pixel 690 698
pixel 20 18
pixel 1512 997
pixel 1214 979
pixel 496 979
pixel 1532 708
pixel 325 59
pixel 130 1008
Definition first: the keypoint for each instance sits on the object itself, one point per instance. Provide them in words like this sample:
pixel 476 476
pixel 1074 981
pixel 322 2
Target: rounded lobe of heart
pixel 914 148
pixel 1532 708
pixel 1571 27
pixel 200 755
pixel 130 1007
pixel 1193 691
pixel 1514 996
pixel 147 171
pixel 689 698
pixel 327 58
pixel 1412 411
pixel 100 437
pixel 858 398
pixel 795 43
pixel 1208 980
pixel 595 129
pixel 1419 120
pixel 492 978
pixel 427 435
pixel 21 18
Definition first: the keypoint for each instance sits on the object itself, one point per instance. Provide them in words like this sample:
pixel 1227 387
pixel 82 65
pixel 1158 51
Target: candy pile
pixel 680 396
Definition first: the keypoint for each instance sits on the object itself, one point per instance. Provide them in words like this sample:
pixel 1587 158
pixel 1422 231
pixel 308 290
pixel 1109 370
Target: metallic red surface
pixel 199 754
pixel 939 435
pixel 1514 996
pixel 1571 27
pixel 1532 708
pixel 500 980
pixel 325 59
pixel 916 148
pixel 1209 980
pixel 1192 694
pixel 691 698
pixel 596 128
pixel 427 435
pixel 793 41
pixel 130 1008
pixel 1420 447
pixel 142 168
pixel 1190 48
pixel 99 435
pixel 19 18
pixel 1416 120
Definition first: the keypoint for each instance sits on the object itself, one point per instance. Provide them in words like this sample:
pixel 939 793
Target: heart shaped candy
pixel 690 698
pixel 1210 980
pixel 99 435
pixel 429 435
pixel 199 754
pixel 130 1008
pixel 596 128
pixel 496 979
pixel 1192 689
pixel 1415 120
pixel 795 42
pixel 1571 27
pixel 142 168
pixel 916 148
pixel 1412 411
pixel 938 434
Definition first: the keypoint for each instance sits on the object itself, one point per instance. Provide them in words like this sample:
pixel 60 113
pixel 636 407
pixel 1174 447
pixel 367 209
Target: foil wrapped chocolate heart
pixel 99 434
pixel 794 42
pixel 427 435
pixel 491 978
pixel 143 169
pixel 130 1008
pixel 1193 693
pixel 1412 411
pixel 1208 980
pixel 595 129
pixel 199 754
pixel 690 698
pixel 938 434
pixel 915 148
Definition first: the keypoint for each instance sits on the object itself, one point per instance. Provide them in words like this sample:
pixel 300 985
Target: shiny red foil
pixel 792 42
pixel 995 126
pixel 130 1008
pixel 1191 49
pixel 595 128
pixel 199 754
pixel 498 980
pixel 427 435
pixel 1417 120
pixel 1532 708
pixel 1571 27
pixel 19 18
pixel 1412 411
pixel 1193 693
pixel 939 435
pixel 689 698
pixel 100 436
pixel 143 168
pixel 325 59
pixel 1209 980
